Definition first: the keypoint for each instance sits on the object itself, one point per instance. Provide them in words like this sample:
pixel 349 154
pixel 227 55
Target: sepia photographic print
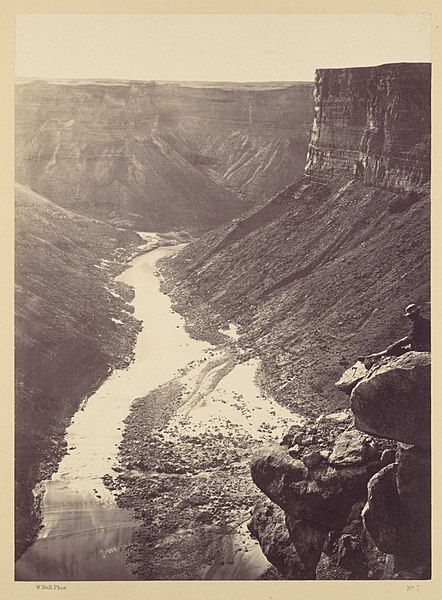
pixel 222 315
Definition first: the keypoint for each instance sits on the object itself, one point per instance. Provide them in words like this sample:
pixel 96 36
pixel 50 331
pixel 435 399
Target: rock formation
pixel 393 400
pixel 398 511
pixel 160 156
pixel 353 506
pixel 318 477
pixel 375 121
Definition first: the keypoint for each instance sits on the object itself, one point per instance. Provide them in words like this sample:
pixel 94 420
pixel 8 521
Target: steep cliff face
pixel 375 121
pixel 72 326
pixel 321 273
pixel 159 156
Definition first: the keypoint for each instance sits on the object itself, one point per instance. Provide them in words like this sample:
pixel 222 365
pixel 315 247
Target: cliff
pixel 160 156
pixel 72 326
pixel 321 273
pixel 379 117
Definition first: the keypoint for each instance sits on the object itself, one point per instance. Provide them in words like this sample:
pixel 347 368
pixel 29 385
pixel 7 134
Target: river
pixel 84 533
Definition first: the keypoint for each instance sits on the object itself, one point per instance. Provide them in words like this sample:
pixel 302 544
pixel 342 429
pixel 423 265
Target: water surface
pixel 84 533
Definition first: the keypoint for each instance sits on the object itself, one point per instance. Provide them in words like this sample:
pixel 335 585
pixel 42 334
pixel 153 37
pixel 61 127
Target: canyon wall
pixel 160 156
pixel 375 121
pixel 315 277
pixel 320 274
pixel 73 324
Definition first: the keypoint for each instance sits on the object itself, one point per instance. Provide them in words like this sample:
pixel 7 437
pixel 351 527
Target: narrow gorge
pixel 280 230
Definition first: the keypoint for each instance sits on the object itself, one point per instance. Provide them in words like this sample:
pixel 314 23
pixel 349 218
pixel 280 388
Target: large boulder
pixel 394 399
pixel 382 513
pixel 325 493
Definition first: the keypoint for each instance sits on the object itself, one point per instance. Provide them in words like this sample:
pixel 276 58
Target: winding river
pixel 84 533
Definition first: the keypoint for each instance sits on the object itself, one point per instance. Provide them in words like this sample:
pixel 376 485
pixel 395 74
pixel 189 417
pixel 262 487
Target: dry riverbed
pixel 185 469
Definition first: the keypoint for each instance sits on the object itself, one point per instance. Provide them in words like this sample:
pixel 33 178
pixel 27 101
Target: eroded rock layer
pixel 375 121
pixel 160 156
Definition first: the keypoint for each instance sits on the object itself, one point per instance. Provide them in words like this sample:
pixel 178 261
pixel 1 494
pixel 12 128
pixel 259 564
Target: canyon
pixel 321 272
pixel 160 156
pixel 94 161
pixel 312 260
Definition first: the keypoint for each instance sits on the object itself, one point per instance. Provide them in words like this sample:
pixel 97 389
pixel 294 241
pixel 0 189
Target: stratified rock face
pixel 394 399
pixel 378 116
pixel 160 156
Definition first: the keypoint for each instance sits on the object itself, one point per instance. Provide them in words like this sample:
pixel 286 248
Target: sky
pixel 223 47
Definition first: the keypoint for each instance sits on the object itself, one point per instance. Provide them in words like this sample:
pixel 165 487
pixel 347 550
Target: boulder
pixel 382 513
pixel 268 526
pixel 396 522
pixel 394 401
pixel 308 538
pixel 351 377
pixel 322 495
pixel 351 448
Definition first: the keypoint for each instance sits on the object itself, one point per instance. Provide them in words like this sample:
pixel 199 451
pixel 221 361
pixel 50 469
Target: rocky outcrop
pixel 268 524
pixel 393 400
pixel 321 499
pixel 355 506
pixel 160 156
pixel 373 123
pixel 398 511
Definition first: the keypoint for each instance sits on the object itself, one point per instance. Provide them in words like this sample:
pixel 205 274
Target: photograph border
pixel 256 590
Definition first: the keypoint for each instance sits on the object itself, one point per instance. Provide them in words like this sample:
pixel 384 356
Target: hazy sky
pixel 214 47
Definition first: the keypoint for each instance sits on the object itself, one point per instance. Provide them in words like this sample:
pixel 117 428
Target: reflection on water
pixel 82 539
pixel 84 534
